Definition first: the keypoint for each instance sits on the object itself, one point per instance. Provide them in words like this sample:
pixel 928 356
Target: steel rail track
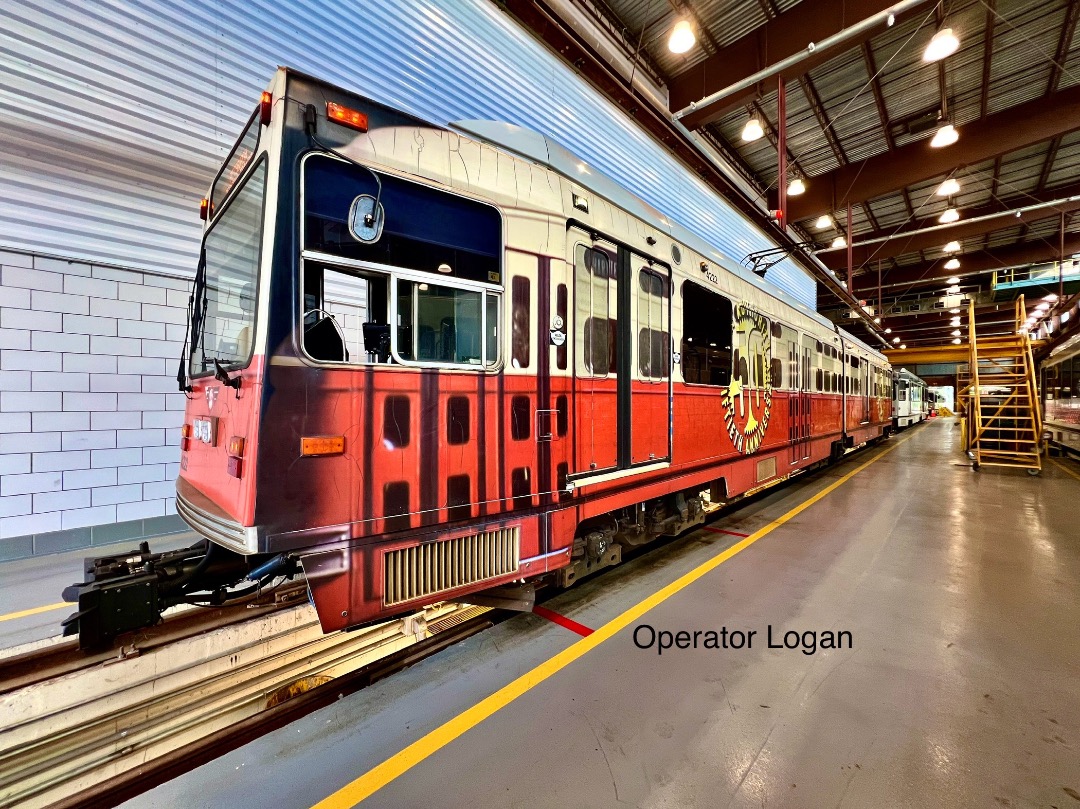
pixel 95 730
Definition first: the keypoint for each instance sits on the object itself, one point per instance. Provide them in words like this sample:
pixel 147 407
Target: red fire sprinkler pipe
pixel 781 148
pixel 850 271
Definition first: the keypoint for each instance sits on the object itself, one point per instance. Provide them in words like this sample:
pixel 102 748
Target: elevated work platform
pixel 1001 399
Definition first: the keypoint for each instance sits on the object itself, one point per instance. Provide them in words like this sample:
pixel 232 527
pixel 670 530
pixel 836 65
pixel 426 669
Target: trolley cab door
pixel 621 405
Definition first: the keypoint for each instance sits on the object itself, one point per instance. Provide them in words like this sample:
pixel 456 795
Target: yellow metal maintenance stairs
pixel 1002 401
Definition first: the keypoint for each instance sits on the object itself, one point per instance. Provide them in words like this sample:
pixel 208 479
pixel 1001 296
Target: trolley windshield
pixel 232 249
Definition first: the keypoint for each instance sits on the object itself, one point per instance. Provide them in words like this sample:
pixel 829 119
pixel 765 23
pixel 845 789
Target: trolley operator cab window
pixel 419 284
pixel 225 323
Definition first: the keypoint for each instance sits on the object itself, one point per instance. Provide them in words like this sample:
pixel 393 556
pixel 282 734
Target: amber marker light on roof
pixel 322 445
pixel 266 107
pixel 346 116
pixel 204 208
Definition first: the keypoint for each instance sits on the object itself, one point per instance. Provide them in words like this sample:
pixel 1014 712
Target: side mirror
pixel 365 223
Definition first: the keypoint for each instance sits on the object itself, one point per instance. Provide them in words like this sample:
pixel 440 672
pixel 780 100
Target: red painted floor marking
pixel 563 621
pixel 724 531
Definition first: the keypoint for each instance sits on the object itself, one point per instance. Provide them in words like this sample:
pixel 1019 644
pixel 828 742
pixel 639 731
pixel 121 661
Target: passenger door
pixel 650 395
pixel 621 357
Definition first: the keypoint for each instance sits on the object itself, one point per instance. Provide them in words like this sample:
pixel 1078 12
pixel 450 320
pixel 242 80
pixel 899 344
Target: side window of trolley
pixel 594 271
pixel 707 330
pixel 654 338
pixel 418 283
pixel 785 357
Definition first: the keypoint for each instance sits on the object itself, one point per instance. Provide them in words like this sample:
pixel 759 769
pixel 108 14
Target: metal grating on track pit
pixel 435 567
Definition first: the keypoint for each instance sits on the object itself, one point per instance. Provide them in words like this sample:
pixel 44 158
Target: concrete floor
pixel 38 581
pixel 962 688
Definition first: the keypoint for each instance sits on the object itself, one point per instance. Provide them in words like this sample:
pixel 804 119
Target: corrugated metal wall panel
pixel 118 113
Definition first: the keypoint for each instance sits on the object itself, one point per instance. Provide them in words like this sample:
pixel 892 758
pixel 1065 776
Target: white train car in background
pixel 910 400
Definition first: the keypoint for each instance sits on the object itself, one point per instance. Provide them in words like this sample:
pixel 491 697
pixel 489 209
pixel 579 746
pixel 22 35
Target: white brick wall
pixel 89 411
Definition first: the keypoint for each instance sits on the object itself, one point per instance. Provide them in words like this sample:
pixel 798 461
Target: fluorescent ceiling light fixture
pixel 682 37
pixel 824 221
pixel 949 215
pixel 796 187
pixel 752 130
pixel 946 136
pixel 956 333
pixel 952 247
pixel 943 43
pixel 839 241
pixel 952 281
pixel 953 264
pixel 948 188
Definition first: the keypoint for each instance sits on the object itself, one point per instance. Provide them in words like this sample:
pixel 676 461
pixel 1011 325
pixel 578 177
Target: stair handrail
pixel 974 415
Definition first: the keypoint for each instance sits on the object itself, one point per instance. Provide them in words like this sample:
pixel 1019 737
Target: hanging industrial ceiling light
pixel 945 136
pixel 796 187
pixel 682 37
pixel 956 341
pixel 943 43
pixel 950 214
pixel 839 241
pixel 752 130
pixel 948 188
pixel 951 247
pixel 952 264
pixel 956 333
pixel 824 221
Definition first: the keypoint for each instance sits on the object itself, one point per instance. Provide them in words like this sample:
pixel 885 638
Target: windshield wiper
pixel 196 317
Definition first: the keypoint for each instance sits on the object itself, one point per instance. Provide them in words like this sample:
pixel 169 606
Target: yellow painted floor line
pixel 401 762
pixel 1064 468
pixel 11 616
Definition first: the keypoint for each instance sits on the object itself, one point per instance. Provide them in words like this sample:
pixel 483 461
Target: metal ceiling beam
pixel 983 261
pixel 1016 128
pixel 940 318
pixel 928 355
pixel 777 48
pixel 907 240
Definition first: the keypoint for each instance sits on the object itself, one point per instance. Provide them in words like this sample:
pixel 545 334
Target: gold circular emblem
pixel 747 401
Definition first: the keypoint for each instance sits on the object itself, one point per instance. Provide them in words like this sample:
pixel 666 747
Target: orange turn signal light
pixel 185 437
pixel 185 431
pixel 204 208
pixel 266 107
pixel 345 115
pixel 322 445
pixel 236 447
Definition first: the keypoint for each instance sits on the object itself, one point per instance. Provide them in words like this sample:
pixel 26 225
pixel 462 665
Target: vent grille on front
pixel 435 567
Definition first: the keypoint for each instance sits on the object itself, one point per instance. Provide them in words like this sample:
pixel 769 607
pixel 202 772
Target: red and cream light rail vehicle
pixel 425 362
pixel 1061 396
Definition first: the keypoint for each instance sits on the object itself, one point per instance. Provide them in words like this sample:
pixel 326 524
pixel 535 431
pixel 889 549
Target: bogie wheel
pixel 975 465
pixel 1034 472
